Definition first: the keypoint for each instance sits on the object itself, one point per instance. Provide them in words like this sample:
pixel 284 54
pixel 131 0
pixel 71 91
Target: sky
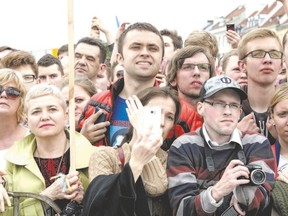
pixel 40 24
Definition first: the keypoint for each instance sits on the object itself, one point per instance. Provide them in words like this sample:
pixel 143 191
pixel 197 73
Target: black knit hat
pixel 280 197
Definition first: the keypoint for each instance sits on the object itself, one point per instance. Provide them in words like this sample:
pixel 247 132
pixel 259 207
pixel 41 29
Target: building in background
pixel 271 15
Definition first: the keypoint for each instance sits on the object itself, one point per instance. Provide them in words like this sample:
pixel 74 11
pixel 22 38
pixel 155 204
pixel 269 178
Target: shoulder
pixel 107 153
pixel 189 140
pixel 24 149
pixel 251 138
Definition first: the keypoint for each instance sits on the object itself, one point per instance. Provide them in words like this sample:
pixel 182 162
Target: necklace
pixel 47 173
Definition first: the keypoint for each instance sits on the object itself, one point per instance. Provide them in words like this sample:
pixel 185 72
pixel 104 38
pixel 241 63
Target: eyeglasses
pixel 274 54
pixel 204 67
pixel 29 78
pixel 221 105
pixel 11 92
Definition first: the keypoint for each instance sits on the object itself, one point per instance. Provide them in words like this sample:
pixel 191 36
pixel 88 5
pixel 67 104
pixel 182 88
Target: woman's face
pixel 280 119
pixel 46 117
pixel 168 110
pixel 9 104
pixel 81 99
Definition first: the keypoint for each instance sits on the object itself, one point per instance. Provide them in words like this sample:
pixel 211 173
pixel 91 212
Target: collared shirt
pixel 235 137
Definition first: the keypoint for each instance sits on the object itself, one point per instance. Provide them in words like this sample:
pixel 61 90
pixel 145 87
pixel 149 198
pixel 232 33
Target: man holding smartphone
pixel 232 36
pixel 140 52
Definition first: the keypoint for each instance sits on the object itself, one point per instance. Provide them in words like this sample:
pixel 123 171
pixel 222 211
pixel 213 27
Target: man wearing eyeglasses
pixel 190 67
pixel 208 170
pixel 261 56
pixel 23 62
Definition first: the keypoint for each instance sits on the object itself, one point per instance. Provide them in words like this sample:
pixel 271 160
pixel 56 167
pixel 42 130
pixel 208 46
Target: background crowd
pixel 164 125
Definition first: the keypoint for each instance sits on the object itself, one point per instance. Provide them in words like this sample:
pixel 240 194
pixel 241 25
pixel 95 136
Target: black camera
pixel 256 176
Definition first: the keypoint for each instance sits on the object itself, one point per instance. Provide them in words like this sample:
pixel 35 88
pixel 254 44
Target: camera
pixel 256 176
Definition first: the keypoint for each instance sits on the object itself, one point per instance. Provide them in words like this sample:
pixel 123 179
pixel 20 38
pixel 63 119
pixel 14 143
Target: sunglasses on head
pixel 11 92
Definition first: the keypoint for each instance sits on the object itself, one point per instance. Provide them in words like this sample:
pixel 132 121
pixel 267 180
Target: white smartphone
pixel 152 117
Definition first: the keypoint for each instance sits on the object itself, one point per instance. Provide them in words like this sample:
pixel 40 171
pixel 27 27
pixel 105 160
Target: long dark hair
pixel 148 94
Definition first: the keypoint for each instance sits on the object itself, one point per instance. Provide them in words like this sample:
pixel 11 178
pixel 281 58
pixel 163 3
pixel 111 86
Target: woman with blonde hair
pixel 278 110
pixel 40 162
pixel 12 94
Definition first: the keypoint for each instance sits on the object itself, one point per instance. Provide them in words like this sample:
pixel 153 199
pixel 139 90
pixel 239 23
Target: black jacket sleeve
pixel 115 194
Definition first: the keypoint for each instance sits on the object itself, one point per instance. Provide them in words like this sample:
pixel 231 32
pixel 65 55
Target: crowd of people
pixel 164 126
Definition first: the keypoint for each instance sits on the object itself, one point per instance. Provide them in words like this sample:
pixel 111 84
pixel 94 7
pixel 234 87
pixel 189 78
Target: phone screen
pixel 101 118
pixel 230 27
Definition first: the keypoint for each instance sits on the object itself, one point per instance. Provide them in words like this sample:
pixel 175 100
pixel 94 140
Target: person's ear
pixel 173 83
pixel 200 108
pixel 103 68
pixel 242 65
pixel 119 59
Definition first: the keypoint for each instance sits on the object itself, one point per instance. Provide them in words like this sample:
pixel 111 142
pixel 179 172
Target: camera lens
pixel 258 177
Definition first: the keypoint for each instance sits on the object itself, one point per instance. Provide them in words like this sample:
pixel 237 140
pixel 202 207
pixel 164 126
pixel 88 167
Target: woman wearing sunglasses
pixel 40 162
pixel 12 93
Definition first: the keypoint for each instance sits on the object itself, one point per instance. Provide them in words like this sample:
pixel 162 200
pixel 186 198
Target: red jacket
pixel 104 101
pixel 189 120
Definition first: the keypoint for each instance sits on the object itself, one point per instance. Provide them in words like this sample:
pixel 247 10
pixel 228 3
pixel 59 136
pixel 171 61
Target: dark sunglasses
pixel 11 92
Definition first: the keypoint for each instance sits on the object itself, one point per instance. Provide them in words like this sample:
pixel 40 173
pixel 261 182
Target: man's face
pixel 263 71
pixel 87 61
pixel 26 70
pixel 169 48
pixel 142 55
pixel 232 70
pixel 189 82
pixel 51 75
pixel 219 121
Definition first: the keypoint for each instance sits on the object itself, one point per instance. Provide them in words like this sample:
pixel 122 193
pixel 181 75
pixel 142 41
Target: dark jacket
pixel 116 194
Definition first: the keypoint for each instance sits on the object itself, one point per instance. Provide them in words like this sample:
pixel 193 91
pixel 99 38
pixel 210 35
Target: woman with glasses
pixel 25 63
pixel 40 162
pixel 12 94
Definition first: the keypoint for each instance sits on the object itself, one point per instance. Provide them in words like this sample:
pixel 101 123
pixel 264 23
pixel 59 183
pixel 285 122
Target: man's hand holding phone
pixel 95 127
pixel 232 36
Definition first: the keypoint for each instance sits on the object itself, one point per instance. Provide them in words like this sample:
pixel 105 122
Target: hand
pixel 283 175
pixel 121 29
pixel 237 207
pixel 230 179
pixel 233 38
pixel 135 112
pixel 4 198
pixel 65 187
pixel 271 127
pixel 94 132
pixel 99 24
pixel 161 78
pixel 143 151
pixel 248 123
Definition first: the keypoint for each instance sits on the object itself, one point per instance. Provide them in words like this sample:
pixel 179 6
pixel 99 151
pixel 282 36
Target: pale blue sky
pixel 41 24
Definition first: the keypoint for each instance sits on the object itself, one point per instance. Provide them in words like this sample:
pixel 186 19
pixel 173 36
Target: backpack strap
pixel 121 156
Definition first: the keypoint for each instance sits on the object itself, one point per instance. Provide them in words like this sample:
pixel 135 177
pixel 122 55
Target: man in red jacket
pixel 140 52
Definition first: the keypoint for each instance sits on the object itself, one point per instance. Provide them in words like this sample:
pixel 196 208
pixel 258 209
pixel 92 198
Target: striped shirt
pixel 190 181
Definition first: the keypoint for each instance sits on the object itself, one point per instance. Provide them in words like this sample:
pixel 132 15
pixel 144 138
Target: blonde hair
pixel 280 94
pixel 44 89
pixel 203 39
pixel 8 75
pixel 256 34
